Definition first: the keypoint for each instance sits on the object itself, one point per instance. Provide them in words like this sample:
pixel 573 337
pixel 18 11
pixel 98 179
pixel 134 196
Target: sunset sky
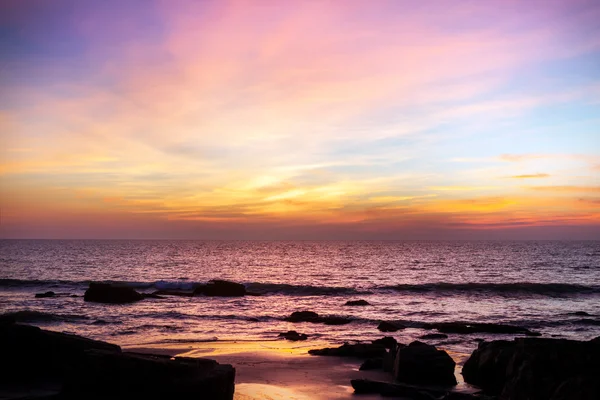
pixel 298 119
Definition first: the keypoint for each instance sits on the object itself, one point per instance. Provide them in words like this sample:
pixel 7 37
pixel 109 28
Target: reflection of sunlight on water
pixel 255 391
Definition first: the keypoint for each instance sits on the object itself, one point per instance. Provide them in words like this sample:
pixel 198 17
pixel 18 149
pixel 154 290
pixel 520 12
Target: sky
pixel 318 119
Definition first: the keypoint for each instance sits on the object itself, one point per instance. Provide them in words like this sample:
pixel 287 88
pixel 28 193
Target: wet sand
pixel 273 370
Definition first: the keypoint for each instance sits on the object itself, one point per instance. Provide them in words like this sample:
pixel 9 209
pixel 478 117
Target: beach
pixel 269 370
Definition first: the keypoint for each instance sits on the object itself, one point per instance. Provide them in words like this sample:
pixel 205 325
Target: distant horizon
pixel 227 120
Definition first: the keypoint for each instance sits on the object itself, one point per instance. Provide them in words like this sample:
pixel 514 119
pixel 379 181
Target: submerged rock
pixel 311 316
pixel 44 295
pixel 434 336
pixel 421 363
pixel 358 350
pixel 357 303
pixel 107 293
pixel 474 327
pixel 293 336
pixel 221 288
pixel 536 369
pixel 385 326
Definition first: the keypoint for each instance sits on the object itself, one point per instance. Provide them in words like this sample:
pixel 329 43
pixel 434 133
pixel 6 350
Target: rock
pixel 221 288
pixel 387 341
pixel 385 326
pixel 334 320
pixel 473 327
pixel 293 336
pixel 536 369
pixel 107 375
pixel 30 353
pixel 581 314
pixel 44 295
pixel 371 363
pixel 80 368
pixel 303 316
pixel 420 363
pixel 358 350
pixel 357 303
pixel 385 389
pixel 107 293
pixel 311 316
pixel 434 336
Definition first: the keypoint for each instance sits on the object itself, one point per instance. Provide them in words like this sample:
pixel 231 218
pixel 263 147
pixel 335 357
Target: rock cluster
pixel 69 367
pixel 536 369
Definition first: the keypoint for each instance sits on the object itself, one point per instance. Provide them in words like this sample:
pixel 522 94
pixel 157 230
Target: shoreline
pixel 282 369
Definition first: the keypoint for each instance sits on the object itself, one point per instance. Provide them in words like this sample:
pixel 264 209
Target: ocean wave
pixel 185 285
pixel 442 288
pixel 505 289
pixel 301 290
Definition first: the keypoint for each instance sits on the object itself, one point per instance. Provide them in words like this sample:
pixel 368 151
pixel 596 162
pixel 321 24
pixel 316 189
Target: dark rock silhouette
pixel 44 295
pixel 385 326
pixel 69 367
pixel 358 350
pixel 311 316
pixel 387 341
pixel 581 314
pixel 371 363
pixel 112 294
pixel 396 390
pixel 303 316
pixel 293 336
pixel 221 288
pixel 473 327
pixel 357 303
pixel 536 369
pixel 421 363
pixel 434 336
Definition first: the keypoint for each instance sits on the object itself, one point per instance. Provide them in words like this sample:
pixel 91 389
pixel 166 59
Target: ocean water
pixel 536 285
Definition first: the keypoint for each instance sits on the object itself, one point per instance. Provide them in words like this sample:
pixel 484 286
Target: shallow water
pixel 537 285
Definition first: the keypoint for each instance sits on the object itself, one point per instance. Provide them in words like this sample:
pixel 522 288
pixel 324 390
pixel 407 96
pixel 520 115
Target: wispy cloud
pixel 530 176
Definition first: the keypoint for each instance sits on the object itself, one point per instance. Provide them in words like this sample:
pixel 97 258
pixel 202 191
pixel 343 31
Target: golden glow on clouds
pixel 248 113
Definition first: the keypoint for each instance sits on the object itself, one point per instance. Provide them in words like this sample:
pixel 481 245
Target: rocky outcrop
pixel 108 375
pixel 221 288
pixel 111 294
pixel 78 368
pixel 293 336
pixel 311 316
pixel 473 327
pixel 357 303
pixel 358 350
pixel 536 369
pixel 424 364
pixel 385 326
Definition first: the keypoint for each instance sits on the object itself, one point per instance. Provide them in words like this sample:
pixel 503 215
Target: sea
pixel 551 287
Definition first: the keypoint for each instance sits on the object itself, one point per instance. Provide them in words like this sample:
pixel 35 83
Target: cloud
pixel 530 176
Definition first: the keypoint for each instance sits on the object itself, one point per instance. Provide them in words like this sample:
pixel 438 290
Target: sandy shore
pixel 279 369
